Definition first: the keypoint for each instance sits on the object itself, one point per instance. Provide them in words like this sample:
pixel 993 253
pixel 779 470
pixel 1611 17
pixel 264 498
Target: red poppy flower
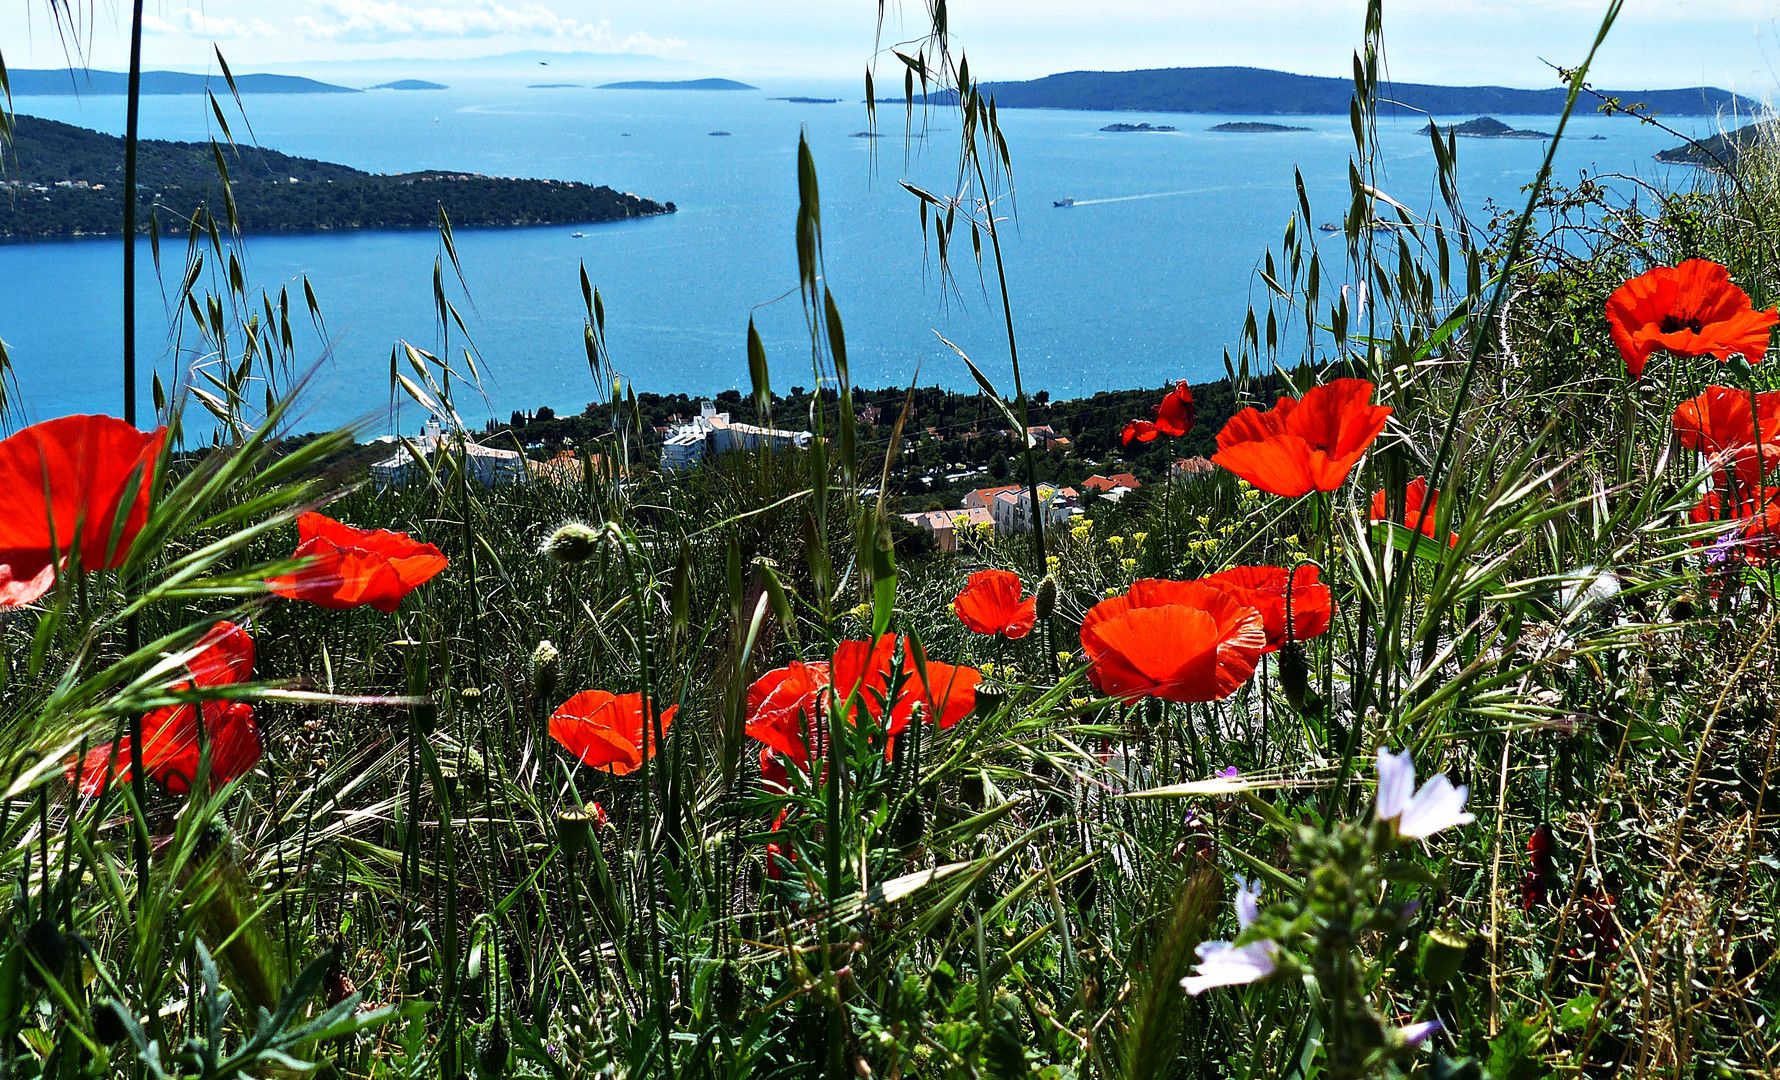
pixel 171 739
pixel 1138 431
pixel 1175 415
pixel 1176 640
pixel 351 567
pixel 1716 423
pixel 946 697
pixel 990 603
pixel 1690 310
pixel 1264 589
pixel 605 731
pixel 1303 445
pixel 1757 535
pixel 1413 514
pixel 783 705
pixel 1537 884
pixel 62 485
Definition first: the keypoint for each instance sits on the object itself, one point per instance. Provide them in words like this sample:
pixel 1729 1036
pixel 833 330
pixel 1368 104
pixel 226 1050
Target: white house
pixel 489 465
pixel 711 433
pixel 1011 509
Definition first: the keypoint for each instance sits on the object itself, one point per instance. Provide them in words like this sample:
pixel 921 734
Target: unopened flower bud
pixel 545 661
pixel 1046 597
pixel 573 543
pixel 493 1050
pixel 1294 673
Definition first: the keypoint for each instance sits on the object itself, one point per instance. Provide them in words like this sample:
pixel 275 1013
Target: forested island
pixel 410 84
pixel 1164 128
pixel 1262 92
pixel 25 82
pixel 1253 127
pixel 64 180
pixel 1486 127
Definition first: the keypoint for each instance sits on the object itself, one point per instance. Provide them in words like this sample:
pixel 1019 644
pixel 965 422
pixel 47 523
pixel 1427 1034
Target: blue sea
pixel 1146 278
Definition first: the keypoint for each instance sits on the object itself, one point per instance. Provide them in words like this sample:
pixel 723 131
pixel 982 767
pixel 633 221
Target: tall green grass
pixel 410 885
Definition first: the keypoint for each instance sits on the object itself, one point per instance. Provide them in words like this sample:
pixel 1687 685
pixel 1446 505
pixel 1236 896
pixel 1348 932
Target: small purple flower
pixel 1230 772
pixel 1418 814
pixel 1414 1035
pixel 1248 901
pixel 1223 964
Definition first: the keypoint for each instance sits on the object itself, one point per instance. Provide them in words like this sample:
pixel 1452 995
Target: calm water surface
pixel 1146 278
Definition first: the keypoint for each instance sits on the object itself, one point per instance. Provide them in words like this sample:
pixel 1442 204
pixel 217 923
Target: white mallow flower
pixel 1224 964
pixel 1418 814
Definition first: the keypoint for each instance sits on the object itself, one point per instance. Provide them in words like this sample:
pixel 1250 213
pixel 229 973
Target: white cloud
pixel 392 20
pixel 191 22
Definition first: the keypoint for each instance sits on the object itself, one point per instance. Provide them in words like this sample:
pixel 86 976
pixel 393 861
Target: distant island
pixel 1720 151
pixel 1253 127
pixel 809 100
pixel 1262 92
pixel 554 86
pixel 719 134
pixel 1138 127
pixel 1486 127
pixel 410 84
pixel 63 180
pixel 684 84
pixel 26 82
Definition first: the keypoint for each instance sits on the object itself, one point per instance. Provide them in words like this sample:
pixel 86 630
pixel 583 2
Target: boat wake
pixel 1151 195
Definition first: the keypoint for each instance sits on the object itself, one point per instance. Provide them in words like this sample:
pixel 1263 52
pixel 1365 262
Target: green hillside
pixel 62 180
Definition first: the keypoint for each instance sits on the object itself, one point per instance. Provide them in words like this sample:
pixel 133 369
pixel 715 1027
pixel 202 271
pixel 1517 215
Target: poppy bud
pixel 970 791
pixel 108 1022
pixel 726 995
pixel 573 543
pixel 45 942
pixel 1739 368
pixel 1294 673
pixel 911 825
pixel 545 661
pixel 493 1050
pixel 1442 953
pixel 1046 598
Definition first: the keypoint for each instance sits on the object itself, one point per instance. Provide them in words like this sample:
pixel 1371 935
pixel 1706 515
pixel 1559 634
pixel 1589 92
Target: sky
pixel 1658 43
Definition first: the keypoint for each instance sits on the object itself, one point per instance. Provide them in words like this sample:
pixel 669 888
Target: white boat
pixel 577 235
pixel 1064 202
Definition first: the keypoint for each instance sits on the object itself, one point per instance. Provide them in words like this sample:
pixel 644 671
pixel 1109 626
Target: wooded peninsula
pixel 64 180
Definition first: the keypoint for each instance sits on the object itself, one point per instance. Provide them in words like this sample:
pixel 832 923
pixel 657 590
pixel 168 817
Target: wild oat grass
pixel 414 880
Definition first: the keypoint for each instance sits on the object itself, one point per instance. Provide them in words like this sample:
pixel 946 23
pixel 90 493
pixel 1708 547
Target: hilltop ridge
pixel 1265 92
pixel 26 82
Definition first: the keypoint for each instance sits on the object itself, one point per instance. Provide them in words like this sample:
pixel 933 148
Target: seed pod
pixel 1294 673
pixel 1045 600
pixel 989 697
pixel 970 791
pixel 1682 609
pixel 573 543
pixel 1442 953
pixel 574 829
